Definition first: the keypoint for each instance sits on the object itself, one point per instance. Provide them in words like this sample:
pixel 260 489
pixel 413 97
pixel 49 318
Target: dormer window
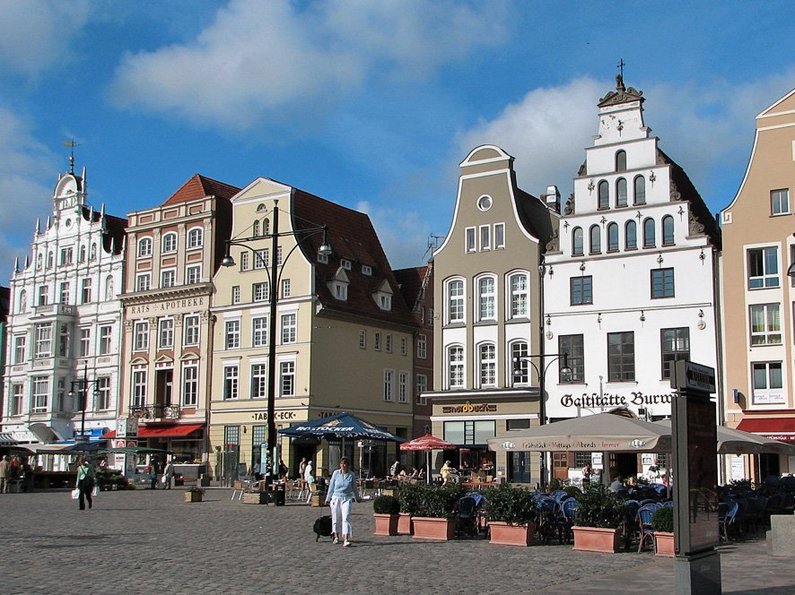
pixel 345 264
pixel 367 270
pixel 341 291
pixel 385 302
pixel 383 297
pixel 339 285
pixel 322 258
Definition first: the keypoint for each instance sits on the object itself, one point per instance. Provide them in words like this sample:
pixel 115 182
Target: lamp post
pixel 273 280
pixel 541 372
pixel 81 388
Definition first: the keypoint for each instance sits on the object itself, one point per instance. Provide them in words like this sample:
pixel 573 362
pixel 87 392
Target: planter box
pixel 433 528
pixel 386 524
pixel 664 544
pixel 255 498
pixel 317 500
pixel 404 524
pixel 593 539
pixel 505 534
pixel 193 496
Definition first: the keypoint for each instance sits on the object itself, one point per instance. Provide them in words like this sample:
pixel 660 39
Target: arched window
pixel 612 237
pixel 455 366
pixel 648 233
pixel 50 260
pixel 621 161
pixel 519 295
pixel 195 237
pixel 487 294
pixel 266 226
pixel 82 253
pixel 631 235
pixel 621 192
pixel 640 190
pixel 604 195
pixel 170 242
pixel 455 301
pixel 144 247
pixel 595 234
pixel 519 368
pixel 668 231
pixel 576 241
pixel 255 228
pixel 487 356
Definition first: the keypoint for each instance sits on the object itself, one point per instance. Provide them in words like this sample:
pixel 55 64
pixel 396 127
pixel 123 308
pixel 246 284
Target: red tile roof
pixel 199 186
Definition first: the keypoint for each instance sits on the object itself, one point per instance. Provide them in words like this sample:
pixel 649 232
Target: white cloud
pixel 258 58
pixel 37 33
pixel 403 234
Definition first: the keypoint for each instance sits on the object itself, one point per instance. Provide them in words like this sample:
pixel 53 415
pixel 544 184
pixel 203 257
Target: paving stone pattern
pixel 145 541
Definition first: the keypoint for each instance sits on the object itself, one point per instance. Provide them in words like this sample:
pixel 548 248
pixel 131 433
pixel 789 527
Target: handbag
pixel 75 494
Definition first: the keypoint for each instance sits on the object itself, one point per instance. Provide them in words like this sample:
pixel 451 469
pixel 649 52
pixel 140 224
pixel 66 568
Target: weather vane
pixel 71 144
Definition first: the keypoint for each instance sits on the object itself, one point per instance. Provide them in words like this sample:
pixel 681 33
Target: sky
pixel 371 104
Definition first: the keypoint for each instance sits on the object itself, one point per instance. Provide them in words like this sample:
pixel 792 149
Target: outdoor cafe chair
pixel 568 509
pixel 645 514
pixel 727 514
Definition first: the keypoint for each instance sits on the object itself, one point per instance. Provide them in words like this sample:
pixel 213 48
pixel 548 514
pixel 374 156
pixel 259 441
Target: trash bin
pixel 280 493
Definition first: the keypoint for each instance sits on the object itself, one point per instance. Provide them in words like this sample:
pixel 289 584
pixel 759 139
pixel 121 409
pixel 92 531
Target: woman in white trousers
pixel 341 493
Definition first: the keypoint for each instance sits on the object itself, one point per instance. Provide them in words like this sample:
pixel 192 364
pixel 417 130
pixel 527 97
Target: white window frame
pixel 165 333
pixel 487 365
pixel 259 331
pixel 138 388
pixel 289 327
pixel 767 279
pixel 362 339
pixel 236 294
pixel 456 366
pixel 20 342
pixel 190 384
pixel 773 391
pixel 455 302
pixel 15 406
pixel 232 333
pixel 140 335
pixel 191 326
pixel 389 385
pixel 771 333
pixel 259 381
pixel 43 340
pixel 779 202
pixel 193 274
pixel 64 292
pixel 487 297
pixel 261 259
pixel 286 288
pixel 287 379
pixel 143 281
pixel 169 242
pixel 231 380
pixel 102 394
pixel 39 394
pixel 144 247
pixel 421 386
pixel 470 240
pixel 519 294
pixel 422 346
pixel 484 237
pixel 403 386
pixel 86 290
pixel 105 342
pixel 195 238
pixel 499 236
pixel 168 278
pixel 260 292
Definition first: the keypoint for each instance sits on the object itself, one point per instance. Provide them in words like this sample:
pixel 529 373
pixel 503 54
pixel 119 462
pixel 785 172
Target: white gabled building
pixel 65 322
pixel 630 283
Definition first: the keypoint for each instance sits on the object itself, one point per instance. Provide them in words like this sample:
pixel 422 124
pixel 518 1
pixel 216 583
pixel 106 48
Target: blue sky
pixel 369 103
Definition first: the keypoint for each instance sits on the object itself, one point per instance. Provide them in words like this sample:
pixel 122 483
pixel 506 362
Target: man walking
pixel 4 464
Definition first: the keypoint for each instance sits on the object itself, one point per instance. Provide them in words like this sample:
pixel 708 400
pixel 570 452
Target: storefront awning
pixel 7 439
pixel 776 428
pixel 164 431
pixel 44 433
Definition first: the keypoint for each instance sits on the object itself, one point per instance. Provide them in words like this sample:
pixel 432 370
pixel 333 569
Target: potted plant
pixel 436 515
pixel 663 523
pixel 194 494
pixel 512 515
pixel 409 496
pixel 599 515
pixel 386 510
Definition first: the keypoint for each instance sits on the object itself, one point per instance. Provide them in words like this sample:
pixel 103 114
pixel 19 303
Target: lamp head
pixel 228 261
pixel 324 250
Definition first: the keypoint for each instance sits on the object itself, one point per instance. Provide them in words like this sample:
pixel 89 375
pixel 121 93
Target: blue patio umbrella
pixel 341 425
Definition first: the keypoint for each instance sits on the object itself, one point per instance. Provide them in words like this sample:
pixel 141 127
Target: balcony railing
pixel 155 412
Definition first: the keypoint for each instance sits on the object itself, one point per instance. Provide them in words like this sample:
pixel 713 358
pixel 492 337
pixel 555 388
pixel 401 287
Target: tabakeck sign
pixel 470 408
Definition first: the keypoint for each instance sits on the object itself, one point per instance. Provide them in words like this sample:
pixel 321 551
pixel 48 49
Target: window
pixel 143 281
pixel 255 229
pixel 574 346
pixel 767 383
pixel 486 295
pixel 165 333
pixel 388 343
pixel 193 274
pixel 765 324
pixel 40 394
pixel 604 195
pixel 236 294
pixel 469 432
pixel 259 384
pixel 779 202
pixel 144 247
pixel 621 192
pixel 519 295
pixel 455 367
pixel 44 297
pixel 488 365
pixel 403 387
pixel 620 357
pixel 168 278
pixel 341 291
pixel 49 259
pixel 367 270
pixel 762 268
pixel 648 233
pixel 668 230
pixel 140 336
pixel 261 259
pixel 581 290
pixel 287 379
pixel 259 332
pixel 362 339
pixel 389 380
pixel 190 385
pixel 139 388
pixel 63 340
pixel 105 338
pixel 631 235
pixel 17 396
pixel 86 293
pixel 19 348
pixel 422 347
pixel 674 345
pixel 612 237
pixel 576 242
pixel 65 256
pixel 85 342
pixel 259 292
pixel 169 242
pixel 404 347
pixel 64 297
pixel 285 288
pixel 485 237
pixel 43 345
pixel 346 264
pixel 662 283
pixel 232 334
pixel 640 190
pixel 102 394
pixel 289 327
pixel 244 264
pixel 499 236
pixel 230 382
pixel 195 237
pixel 259 439
pixel 232 435
pixel 384 301
pixel 377 341
pixel 469 241
pixel 190 326
pixel 455 301
pixel 421 387
pixel 595 234
pixel 621 161
pixel 520 365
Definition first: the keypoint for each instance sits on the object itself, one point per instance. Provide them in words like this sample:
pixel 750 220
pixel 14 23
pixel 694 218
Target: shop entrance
pixel 622 464
pixel 519 466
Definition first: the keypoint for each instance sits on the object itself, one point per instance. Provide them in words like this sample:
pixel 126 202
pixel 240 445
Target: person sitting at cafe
pixel 616 485
pixel 447 472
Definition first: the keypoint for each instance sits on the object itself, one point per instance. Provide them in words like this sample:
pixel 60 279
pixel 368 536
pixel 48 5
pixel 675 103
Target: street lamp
pixel 81 388
pixel 541 371
pixel 274 276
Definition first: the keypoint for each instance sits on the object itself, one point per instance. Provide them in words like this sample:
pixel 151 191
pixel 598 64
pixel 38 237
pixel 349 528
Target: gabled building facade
pixel 65 322
pixel 630 281
pixel 487 314
pixel 344 340
pixel 758 265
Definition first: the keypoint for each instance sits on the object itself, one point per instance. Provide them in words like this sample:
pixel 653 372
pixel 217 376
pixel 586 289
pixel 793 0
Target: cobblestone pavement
pixel 146 541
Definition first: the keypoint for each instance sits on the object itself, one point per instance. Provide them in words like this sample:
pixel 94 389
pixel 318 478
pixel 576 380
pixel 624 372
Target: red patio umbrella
pixel 428 442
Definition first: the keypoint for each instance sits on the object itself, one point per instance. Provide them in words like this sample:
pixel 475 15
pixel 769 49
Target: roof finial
pixel 71 144
pixel 620 76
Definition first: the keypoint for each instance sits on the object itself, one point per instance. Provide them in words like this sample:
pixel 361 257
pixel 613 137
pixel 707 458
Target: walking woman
pixel 341 493
pixel 85 483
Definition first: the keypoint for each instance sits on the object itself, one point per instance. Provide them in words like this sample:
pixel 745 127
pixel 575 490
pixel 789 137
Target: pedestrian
pixel 4 465
pixel 394 470
pixel 168 473
pixel 587 471
pixel 301 471
pixel 85 484
pixel 341 493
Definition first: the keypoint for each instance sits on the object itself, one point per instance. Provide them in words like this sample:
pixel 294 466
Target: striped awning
pixel 7 440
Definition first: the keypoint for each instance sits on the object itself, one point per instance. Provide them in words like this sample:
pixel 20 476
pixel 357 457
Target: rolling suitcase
pixel 322 526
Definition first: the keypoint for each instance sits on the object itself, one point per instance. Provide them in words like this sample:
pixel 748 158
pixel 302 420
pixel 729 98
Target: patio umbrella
pixel 733 441
pixel 428 442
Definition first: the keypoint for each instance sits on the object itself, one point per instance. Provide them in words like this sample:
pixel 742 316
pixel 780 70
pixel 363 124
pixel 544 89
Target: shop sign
pixel 282 415
pixel 596 400
pixel 470 408
pixel 194 302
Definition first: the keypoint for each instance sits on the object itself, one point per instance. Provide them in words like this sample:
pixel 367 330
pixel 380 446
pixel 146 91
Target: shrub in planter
pixel 663 519
pixel 410 497
pixel 440 501
pixel 386 505
pixel 386 509
pixel 514 506
pixel 599 514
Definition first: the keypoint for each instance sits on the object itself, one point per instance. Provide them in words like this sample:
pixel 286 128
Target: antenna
pixel 433 244
pixel 71 144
